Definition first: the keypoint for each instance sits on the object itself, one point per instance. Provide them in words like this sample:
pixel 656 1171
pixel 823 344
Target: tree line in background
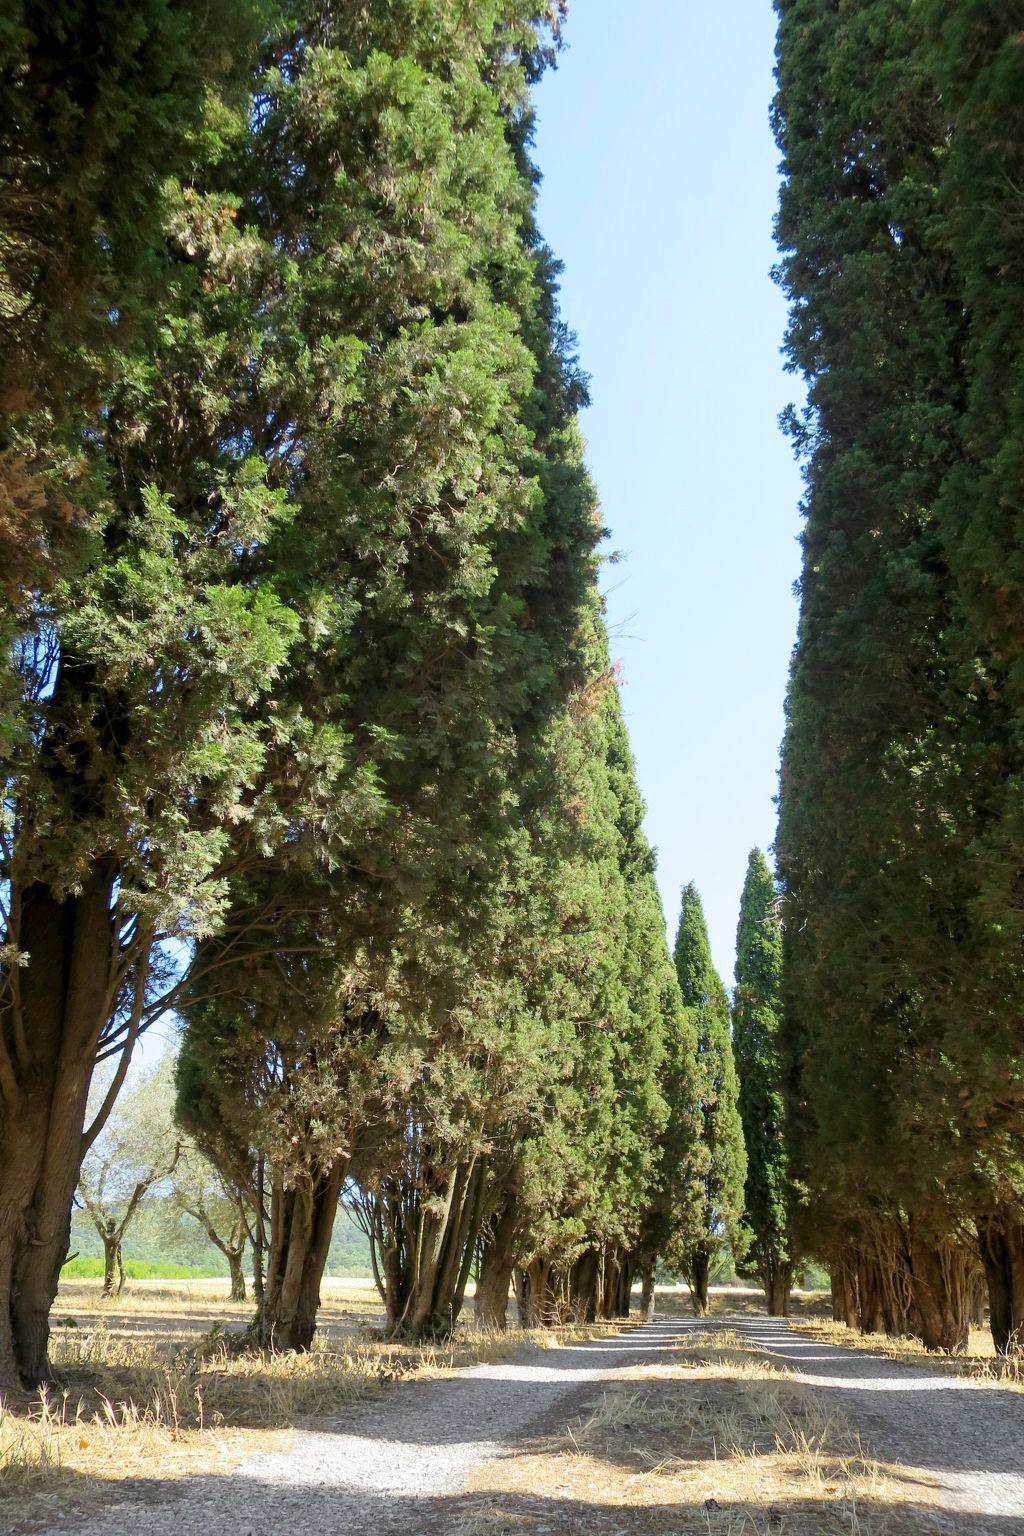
pixel 309 730
pixel 902 803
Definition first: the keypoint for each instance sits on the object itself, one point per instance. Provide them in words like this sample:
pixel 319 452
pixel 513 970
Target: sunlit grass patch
pixel 979 1362
pixel 713 1440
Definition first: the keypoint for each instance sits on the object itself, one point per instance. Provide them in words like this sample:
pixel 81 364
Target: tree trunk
pixel 302 1223
pixel 842 1276
pixel 258 1235
pixel 1001 1237
pixel 63 1005
pixel 647 1290
pixel 697 1274
pixel 237 1273
pixel 120 1268
pixel 536 1293
pixel 869 1291
pixel 777 1291
pixel 111 1244
pixel 521 1281
pixel 584 1287
pixel 497 1261
pixel 942 1286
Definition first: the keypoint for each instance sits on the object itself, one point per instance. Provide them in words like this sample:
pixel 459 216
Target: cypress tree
pixel 882 761
pixel 707 1003
pixel 756 1027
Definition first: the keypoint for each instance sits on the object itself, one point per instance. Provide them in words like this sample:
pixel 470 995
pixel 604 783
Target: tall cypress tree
pixel 756 1026
pixel 707 1003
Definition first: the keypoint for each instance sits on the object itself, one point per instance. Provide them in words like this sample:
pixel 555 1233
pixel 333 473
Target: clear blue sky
pixel 660 183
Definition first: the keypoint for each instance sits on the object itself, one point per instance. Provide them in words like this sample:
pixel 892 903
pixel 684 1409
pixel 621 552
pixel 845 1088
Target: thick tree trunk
pixel 584 1287
pixel 1001 1237
pixel 537 1302
pixel 301 1227
pixel 697 1277
pixel 111 1245
pixel 237 1272
pixel 63 1005
pixel 778 1288
pixel 497 1261
pixel 521 1284
pixel 869 1291
pixel 843 1281
pixel 647 1289
pixel 941 1277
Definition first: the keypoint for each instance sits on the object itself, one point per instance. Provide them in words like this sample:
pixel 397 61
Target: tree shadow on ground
pixel 233 1506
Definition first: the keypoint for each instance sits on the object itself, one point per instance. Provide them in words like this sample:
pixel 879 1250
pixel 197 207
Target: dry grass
pixel 716 1441
pixel 979 1362
pixel 742 1300
pixel 131 1403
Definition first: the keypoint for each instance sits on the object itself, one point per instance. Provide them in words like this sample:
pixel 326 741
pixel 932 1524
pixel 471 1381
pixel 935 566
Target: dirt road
pixel 400 1462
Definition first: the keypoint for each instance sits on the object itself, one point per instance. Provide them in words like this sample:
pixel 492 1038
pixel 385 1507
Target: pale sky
pixel 660 185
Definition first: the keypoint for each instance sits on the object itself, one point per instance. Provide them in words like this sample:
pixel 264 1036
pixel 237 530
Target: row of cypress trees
pixel 901 811
pixel 308 725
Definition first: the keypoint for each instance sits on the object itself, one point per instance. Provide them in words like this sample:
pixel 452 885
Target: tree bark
pixel 942 1285
pixel 1001 1238
pixel 869 1291
pixel 301 1227
pixel 111 1245
pixel 62 1007
pixel 778 1288
pixel 584 1287
pixel 497 1261
pixel 647 1289
pixel 237 1273
pixel 697 1274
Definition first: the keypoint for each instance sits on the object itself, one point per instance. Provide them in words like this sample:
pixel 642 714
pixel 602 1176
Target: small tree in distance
pixel 757 1021
pixel 707 1002
pixel 200 1194
pixel 137 1150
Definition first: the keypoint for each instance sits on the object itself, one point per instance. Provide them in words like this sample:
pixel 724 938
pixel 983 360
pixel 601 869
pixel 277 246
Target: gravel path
pixel 383 1465
pixel 386 1465
pixel 968 1437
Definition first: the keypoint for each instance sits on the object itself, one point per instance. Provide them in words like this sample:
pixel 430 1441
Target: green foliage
pixel 81 1268
pixel 757 1048
pixel 721 1132
pixel 899 841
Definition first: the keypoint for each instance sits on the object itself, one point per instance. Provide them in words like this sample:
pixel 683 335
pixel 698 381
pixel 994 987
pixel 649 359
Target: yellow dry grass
pixel 714 1442
pixel 979 1361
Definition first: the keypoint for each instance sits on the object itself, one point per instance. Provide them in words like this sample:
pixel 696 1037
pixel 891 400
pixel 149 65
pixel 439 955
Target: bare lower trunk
pixel 843 1279
pixel 584 1287
pixel 647 1290
pixel 942 1283
pixel 869 1290
pixel 1001 1237
pixel 777 1291
pixel 302 1221
pixel 536 1303
pixel 497 1261
pixel 62 1006
pixel 237 1273
pixel 697 1273
pixel 110 1249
